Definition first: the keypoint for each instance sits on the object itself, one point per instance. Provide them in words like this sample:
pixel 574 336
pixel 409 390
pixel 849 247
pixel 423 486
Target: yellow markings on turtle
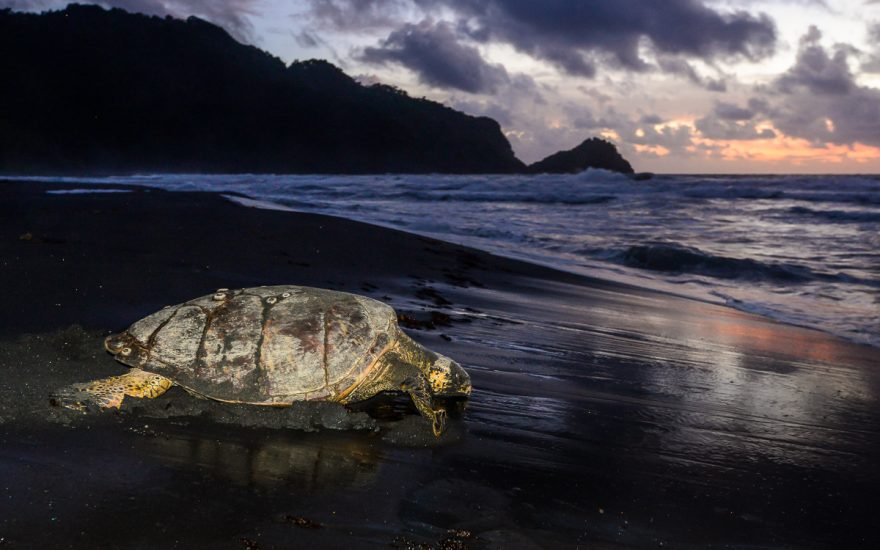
pixel 438 375
pixel 439 380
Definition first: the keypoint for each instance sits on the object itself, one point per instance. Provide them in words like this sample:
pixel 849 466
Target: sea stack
pixel 592 153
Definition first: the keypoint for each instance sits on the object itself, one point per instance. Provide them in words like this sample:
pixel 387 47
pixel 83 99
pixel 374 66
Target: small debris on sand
pixel 435 319
pixel 300 521
pixel 431 294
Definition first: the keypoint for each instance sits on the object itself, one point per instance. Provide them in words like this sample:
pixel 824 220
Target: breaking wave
pixel 674 258
pixel 494 197
pixel 677 259
pixel 840 216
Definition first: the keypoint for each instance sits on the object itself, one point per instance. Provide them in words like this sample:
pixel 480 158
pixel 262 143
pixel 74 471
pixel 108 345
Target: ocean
pixel 801 249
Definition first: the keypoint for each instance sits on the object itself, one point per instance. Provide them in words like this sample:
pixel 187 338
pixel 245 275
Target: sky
pixel 684 86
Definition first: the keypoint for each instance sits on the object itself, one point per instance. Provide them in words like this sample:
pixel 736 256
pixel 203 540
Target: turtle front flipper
pixel 108 393
pixel 417 388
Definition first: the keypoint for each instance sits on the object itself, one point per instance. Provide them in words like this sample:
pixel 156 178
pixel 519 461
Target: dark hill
pixel 89 89
pixel 92 90
pixel 592 153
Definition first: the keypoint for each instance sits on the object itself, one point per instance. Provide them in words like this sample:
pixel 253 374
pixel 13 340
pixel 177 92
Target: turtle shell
pixel 266 345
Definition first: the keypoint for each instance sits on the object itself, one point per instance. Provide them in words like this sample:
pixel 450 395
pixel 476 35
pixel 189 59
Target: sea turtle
pixel 274 345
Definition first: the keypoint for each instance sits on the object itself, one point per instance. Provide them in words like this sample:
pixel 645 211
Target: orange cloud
pixel 655 150
pixel 784 148
pixel 780 149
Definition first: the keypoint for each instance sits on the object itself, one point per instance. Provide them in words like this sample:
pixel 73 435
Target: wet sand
pixel 603 416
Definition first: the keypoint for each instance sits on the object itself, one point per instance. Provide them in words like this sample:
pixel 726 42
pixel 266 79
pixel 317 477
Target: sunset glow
pixel 794 150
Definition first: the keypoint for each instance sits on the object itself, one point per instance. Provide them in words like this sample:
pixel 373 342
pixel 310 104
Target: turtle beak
pixel 115 343
pixel 460 380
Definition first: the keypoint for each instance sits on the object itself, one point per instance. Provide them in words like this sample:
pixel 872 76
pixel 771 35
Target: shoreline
pixel 753 285
pixel 603 415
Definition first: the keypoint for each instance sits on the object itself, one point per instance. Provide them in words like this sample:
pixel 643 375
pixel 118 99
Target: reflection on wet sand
pixel 763 390
pixel 310 462
pixel 701 383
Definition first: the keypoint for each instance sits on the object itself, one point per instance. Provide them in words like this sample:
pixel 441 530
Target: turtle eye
pixel 125 351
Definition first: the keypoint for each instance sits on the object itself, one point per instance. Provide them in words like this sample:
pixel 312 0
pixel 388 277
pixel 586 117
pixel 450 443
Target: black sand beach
pixel 603 416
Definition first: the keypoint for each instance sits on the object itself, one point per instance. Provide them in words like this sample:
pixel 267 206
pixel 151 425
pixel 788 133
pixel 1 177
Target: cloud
pixel 513 105
pixel 233 15
pixel 678 66
pixel 572 33
pixel 816 71
pixel 729 111
pixel 578 35
pixel 818 98
pixel 307 39
pixel 871 62
pixel 714 127
pixel 435 53
pixel 674 139
pixel 617 27
pixel 536 118
pixel 29 5
pixel 357 15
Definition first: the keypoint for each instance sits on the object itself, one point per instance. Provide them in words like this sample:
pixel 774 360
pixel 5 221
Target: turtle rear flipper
pixel 108 393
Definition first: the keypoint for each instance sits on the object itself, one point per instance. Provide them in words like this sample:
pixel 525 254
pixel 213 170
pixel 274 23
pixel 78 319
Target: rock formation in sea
pixel 592 153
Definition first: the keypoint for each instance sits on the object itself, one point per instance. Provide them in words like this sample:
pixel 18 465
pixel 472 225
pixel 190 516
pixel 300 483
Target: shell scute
pixel 229 348
pixel 176 343
pixel 144 329
pixel 293 352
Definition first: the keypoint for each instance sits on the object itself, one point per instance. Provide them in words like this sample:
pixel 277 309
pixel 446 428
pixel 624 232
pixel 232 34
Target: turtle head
pixel 126 349
pixel 448 378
